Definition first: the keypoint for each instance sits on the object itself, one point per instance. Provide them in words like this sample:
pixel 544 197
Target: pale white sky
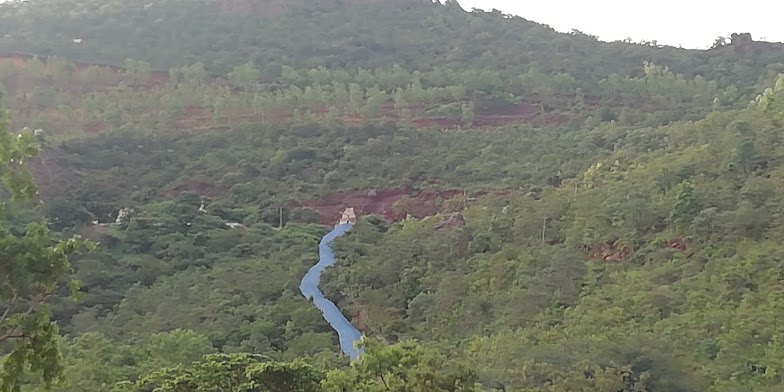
pixel 690 23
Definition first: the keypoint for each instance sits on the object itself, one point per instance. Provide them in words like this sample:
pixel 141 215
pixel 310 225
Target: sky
pixel 693 24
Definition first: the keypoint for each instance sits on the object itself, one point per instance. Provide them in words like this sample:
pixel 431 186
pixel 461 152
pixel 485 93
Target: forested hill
pixel 416 34
pixel 562 214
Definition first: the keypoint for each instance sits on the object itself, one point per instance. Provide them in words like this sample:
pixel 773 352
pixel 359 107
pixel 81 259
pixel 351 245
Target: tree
pixel 406 366
pixel 93 361
pixel 232 372
pixel 745 154
pixel 219 106
pixel 467 114
pixel 400 102
pixel 138 71
pixel 194 75
pixel 375 100
pixel 356 96
pixel 244 75
pixel 34 266
pixel 175 348
pixel 687 205
pixel 719 42
pixel 404 205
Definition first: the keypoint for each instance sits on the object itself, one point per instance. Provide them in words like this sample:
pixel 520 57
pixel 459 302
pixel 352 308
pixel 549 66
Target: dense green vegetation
pixel 680 226
pixel 406 366
pixel 418 35
pixel 618 229
pixel 35 266
pixel 66 98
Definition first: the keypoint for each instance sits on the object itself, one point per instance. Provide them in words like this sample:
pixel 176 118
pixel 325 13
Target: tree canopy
pixel 35 265
pixel 538 211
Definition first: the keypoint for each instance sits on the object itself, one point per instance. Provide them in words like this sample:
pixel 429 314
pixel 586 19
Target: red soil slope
pixel 202 118
pixel 381 203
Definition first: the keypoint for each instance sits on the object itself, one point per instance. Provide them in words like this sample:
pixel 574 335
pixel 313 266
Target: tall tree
pixel 467 114
pixel 687 205
pixel 33 267
pixel 244 76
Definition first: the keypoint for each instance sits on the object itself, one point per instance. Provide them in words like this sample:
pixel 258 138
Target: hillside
pixel 416 34
pixel 541 212
pixel 75 67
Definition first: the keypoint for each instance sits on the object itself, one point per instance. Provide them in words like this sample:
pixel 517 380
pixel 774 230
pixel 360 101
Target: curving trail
pixel 347 333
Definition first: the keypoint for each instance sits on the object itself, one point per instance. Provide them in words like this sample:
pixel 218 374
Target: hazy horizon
pixel 691 24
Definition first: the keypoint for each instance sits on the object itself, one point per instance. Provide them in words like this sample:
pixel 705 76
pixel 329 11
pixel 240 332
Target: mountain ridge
pixel 421 36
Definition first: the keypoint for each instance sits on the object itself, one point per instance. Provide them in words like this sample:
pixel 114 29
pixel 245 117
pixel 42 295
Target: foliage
pixel 34 266
pixel 418 35
pixel 235 372
pixel 406 366
pixel 638 260
pixel 70 99
pixel 615 226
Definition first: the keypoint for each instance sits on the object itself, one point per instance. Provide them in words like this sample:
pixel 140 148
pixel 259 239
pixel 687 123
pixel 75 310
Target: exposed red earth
pixel 196 117
pixel 382 203
pixel 614 252
pixel 418 204
pixel 51 175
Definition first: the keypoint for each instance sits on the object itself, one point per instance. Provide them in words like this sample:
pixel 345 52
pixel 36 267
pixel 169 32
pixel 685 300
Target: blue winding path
pixel 347 333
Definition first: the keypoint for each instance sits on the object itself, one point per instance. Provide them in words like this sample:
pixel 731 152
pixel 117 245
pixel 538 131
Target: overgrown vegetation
pixel 615 226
